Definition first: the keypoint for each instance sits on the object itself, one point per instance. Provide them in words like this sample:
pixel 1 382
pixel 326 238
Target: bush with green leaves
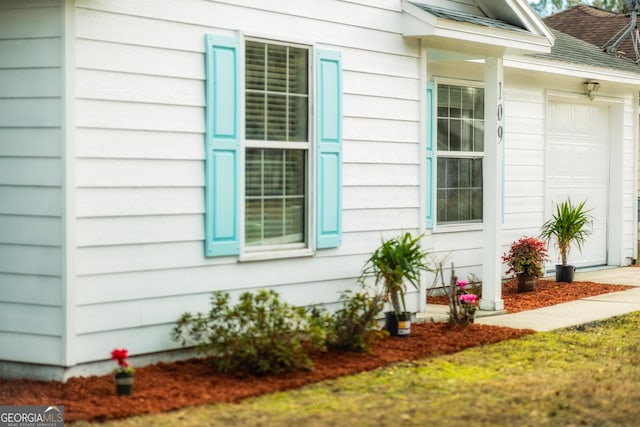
pixel 354 326
pixel 259 335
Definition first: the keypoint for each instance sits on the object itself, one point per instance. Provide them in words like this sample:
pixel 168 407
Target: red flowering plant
pixel 120 356
pixel 526 257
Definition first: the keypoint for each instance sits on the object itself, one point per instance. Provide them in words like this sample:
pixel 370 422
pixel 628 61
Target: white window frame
pixel 292 250
pixel 454 227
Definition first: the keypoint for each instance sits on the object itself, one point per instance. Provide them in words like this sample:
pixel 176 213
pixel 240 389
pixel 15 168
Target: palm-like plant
pixel 569 224
pixel 395 262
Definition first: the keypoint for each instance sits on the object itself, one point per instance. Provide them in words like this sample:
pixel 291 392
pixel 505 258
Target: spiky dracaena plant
pixel 569 224
pixel 396 262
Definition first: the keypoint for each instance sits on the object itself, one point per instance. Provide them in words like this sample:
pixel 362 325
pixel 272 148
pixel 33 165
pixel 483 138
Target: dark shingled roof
pixel 593 25
pixel 468 18
pixel 572 50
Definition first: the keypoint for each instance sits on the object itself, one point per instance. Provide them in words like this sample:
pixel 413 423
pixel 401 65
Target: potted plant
pixel 526 258
pixel 395 263
pixel 124 372
pixel 570 224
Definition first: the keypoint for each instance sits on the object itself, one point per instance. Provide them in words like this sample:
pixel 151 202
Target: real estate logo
pixel 31 416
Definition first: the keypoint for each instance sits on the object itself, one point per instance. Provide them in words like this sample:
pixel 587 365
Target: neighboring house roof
pixel 569 49
pixel 593 25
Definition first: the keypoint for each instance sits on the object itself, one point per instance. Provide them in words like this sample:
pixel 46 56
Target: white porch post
pixel 492 185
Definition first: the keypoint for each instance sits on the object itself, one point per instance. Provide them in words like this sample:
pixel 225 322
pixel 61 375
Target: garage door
pixel 577 159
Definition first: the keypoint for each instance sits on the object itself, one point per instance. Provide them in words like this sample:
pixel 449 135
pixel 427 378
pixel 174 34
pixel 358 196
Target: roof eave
pixel 572 70
pixel 420 24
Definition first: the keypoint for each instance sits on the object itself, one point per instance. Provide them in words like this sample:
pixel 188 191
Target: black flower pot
pixel 398 325
pixel 124 384
pixel 564 273
pixel 526 283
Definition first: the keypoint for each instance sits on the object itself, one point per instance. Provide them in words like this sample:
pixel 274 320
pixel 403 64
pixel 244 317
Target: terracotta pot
pixel 124 383
pixel 526 283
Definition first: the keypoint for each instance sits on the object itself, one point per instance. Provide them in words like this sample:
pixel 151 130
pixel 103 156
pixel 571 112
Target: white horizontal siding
pixel 31 321
pixel 110 202
pixel 26 53
pixel 126 230
pixel 30 142
pixel 139 173
pixel 140 147
pixel 25 200
pixel 31 348
pixel 30 289
pixel 30 230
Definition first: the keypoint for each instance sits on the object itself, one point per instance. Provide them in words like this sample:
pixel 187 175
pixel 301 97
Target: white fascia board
pixel 572 70
pixel 418 23
pixel 506 39
pixel 531 20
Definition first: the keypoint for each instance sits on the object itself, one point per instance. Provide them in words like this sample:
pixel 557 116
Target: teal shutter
pixel 430 154
pixel 329 149
pixel 222 146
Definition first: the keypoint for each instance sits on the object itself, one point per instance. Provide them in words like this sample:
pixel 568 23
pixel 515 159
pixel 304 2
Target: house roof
pixel 478 27
pixel 593 25
pixel 569 49
pixel 469 18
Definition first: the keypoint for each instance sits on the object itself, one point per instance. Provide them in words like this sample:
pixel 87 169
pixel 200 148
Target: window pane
pixel 255 119
pixel 295 167
pixel 276 118
pixel 443 100
pixel 455 101
pixel 253 222
pixel 459 192
pixel 273 221
pixel 467 102
pixel 478 104
pixel 253 172
pixel 275 196
pixel 255 53
pixel 276 68
pixel 298 68
pixel 294 220
pixel 273 173
pixel 467 135
pixel 476 173
pixel 298 116
pixel 443 134
pixel 478 136
pixel 455 135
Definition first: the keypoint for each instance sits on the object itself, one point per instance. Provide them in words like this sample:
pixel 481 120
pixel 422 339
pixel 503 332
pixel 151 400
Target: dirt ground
pixel 164 387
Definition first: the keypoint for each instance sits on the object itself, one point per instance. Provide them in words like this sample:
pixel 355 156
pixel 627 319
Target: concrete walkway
pixel 567 314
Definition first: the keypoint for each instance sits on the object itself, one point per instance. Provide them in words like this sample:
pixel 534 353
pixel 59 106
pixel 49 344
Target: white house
pixel 153 152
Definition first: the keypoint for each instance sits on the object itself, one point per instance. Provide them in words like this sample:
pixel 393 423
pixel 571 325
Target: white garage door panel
pixel 578 167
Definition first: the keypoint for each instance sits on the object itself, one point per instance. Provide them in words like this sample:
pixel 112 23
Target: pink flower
pixel 462 284
pixel 469 298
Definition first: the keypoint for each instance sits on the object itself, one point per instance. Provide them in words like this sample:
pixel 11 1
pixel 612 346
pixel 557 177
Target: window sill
pixel 457 228
pixel 275 254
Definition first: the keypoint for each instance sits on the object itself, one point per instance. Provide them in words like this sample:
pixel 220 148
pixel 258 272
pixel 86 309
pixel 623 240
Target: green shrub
pixel 259 335
pixel 354 327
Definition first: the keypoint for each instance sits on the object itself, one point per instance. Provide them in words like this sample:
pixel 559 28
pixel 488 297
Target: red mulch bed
pixel 164 387
pixel 546 292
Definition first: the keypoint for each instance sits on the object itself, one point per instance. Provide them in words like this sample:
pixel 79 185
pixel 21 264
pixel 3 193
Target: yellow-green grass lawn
pixel 584 376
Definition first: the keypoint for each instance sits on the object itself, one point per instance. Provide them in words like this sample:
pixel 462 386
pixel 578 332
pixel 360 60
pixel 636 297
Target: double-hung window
pixel 276 145
pixel 274 123
pixel 459 152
